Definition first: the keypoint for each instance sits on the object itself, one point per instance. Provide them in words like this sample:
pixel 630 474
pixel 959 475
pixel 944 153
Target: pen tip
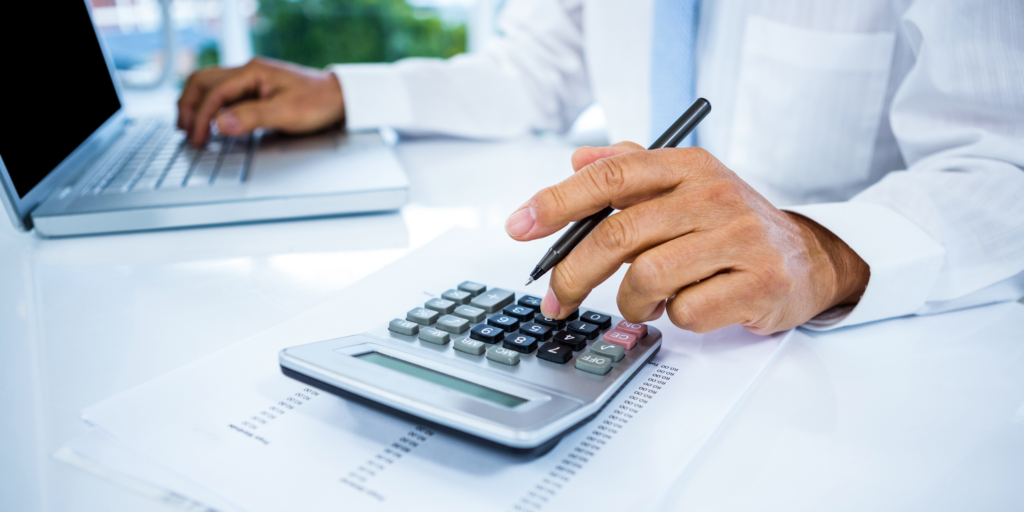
pixel 528 282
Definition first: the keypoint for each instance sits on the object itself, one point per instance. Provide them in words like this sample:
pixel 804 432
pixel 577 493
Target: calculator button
pixel 520 343
pixel 404 327
pixel 474 289
pixel 453 324
pixel 555 353
pixel 575 315
pixel 470 313
pixel 487 333
pixel 440 305
pixel 470 346
pixel 602 321
pixel 522 313
pixel 435 336
pixel 541 332
pixel 422 316
pixel 624 340
pixel 611 350
pixel 503 355
pixel 572 340
pixel 593 363
pixel 457 296
pixel 529 301
pixel 638 330
pixel 550 322
pixel 588 330
pixel 508 323
pixel 493 300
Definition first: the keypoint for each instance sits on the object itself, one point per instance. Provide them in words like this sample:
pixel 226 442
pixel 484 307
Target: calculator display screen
pixel 439 378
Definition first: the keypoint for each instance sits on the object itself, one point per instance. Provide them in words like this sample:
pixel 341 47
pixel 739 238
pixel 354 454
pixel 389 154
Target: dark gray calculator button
pixel 453 324
pixel 435 336
pixel 503 355
pixel 588 330
pixel 550 322
pixel 573 316
pixel 487 333
pixel 404 327
pixel 593 363
pixel 602 321
pixel 555 353
pixel 474 289
pixel 493 300
pixel 506 322
pixel 422 316
pixel 616 352
pixel 520 343
pixel 469 346
pixel 572 340
pixel 529 301
pixel 522 313
pixel 470 313
pixel 440 305
pixel 457 296
pixel 541 332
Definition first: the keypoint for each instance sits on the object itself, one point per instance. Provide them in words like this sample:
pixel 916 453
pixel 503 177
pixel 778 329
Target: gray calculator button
pixel 470 313
pixel 592 363
pixel 503 355
pixel 440 305
pixel 422 316
pixel 470 346
pixel 453 324
pixel 404 327
pixel 437 336
pixel 457 296
pixel 493 300
pixel 608 349
pixel 474 289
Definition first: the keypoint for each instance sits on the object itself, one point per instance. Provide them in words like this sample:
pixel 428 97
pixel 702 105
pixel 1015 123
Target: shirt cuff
pixel 375 96
pixel 904 260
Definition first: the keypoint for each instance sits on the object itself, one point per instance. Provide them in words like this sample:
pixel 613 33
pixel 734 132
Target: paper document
pixel 232 425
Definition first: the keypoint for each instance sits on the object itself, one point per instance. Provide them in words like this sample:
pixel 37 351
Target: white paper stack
pixel 180 437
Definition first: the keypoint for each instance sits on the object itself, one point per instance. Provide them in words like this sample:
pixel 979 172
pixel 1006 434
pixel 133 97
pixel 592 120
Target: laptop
pixel 73 163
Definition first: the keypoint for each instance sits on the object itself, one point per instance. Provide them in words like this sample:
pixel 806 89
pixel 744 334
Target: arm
pixel 948 232
pixel 533 77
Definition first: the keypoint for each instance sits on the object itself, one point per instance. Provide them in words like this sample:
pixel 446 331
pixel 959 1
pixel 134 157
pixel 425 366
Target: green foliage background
pixel 321 32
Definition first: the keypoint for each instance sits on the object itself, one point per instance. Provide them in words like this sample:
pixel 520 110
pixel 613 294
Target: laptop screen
pixel 55 90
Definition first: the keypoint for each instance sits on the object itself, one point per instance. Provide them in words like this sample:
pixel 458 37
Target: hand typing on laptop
pixel 261 94
pixel 704 245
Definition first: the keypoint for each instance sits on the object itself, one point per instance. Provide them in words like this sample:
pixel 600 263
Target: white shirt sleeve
pixel 947 232
pixel 532 77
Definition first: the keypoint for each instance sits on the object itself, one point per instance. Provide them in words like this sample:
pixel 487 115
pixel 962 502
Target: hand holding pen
pixel 703 244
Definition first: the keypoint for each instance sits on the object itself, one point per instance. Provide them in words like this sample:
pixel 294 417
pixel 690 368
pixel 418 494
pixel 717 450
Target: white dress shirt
pixel 897 125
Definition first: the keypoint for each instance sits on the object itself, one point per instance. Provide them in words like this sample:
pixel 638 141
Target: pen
pixel 578 231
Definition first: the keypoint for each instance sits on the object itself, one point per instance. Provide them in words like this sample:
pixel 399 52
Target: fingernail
pixel 227 122
pixel 550 306
pixel 521 222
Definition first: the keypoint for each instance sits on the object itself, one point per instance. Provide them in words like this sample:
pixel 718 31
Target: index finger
pixel 223 93
pixel 618 181
pixel 192 93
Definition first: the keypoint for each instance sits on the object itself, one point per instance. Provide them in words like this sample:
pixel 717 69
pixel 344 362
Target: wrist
pixel 841 272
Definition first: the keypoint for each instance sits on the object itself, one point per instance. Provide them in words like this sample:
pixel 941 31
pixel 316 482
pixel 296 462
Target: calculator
pixel 484 363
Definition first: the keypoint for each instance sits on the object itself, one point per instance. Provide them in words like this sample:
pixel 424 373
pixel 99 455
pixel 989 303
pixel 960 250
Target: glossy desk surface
pixel 911 414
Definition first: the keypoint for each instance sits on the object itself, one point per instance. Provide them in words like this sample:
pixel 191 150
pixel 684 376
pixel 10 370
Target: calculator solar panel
pixel 483 362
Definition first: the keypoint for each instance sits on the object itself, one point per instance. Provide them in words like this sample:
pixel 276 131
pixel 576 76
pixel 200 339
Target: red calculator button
pixel 638 330
pixel 622 339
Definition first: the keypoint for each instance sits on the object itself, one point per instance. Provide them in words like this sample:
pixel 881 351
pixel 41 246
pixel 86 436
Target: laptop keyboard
pixel 154 155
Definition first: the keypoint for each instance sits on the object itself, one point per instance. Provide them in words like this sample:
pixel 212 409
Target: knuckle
pixel 552 198
pixel 721 191
pixel 683 315
pixel 608 175
pixel 643 275
pixel 619 233
pixel 566 281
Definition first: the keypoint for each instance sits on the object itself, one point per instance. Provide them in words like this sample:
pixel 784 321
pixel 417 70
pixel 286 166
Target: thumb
pixel 587 155
pixel 246 116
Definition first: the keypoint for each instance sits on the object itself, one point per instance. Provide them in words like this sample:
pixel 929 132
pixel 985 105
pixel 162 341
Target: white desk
pixel 859 419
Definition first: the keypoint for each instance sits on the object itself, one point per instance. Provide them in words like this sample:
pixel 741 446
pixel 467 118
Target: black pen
pixel 578 231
